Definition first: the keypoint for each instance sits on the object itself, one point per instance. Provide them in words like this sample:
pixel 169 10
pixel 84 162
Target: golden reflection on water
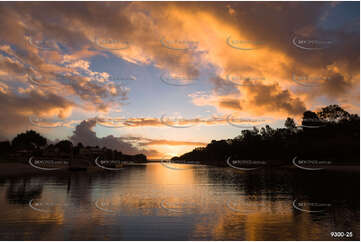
pixel 160 174
pixel 102 208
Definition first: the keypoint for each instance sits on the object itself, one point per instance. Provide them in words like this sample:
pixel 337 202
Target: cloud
pixel 84 134
pixel 64 41
pixel 149 142
pixel 18 108
pixel 272 99
pixel 230 104
pixel 257 99
pixel 174 121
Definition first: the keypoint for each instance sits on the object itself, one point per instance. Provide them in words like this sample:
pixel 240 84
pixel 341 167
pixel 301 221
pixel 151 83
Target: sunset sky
pixel 162 78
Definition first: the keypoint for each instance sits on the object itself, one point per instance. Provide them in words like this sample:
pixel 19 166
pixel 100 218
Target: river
pixel 190 202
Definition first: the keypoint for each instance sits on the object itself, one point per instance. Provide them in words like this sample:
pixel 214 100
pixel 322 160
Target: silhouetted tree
pixel 28 140
pixel 290 123
pixel 64 146
pixel 5 148
pixel 333 113
pixel 331 134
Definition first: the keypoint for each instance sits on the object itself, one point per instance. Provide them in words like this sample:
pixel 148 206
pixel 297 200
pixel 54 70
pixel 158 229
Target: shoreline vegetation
pixel 329 138
pixel 331 134
pixel 11 169
pixel 33 150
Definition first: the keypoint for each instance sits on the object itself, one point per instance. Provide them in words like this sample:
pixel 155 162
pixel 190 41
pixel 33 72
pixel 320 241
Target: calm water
pixel 152 202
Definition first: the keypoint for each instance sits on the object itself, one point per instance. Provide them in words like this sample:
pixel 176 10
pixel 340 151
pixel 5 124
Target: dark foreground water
pixel 153 202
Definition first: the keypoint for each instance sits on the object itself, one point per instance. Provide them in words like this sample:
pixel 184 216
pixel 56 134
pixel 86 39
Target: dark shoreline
pixel 16 169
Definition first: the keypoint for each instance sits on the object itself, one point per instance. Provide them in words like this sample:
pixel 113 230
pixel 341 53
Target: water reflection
pixel 21 191
pixel 151 202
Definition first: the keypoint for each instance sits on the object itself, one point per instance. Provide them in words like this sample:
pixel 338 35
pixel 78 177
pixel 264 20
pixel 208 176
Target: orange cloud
pixel 228 40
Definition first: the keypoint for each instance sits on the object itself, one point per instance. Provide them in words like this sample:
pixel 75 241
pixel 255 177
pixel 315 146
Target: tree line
pixel 31 143
pixel 331 134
